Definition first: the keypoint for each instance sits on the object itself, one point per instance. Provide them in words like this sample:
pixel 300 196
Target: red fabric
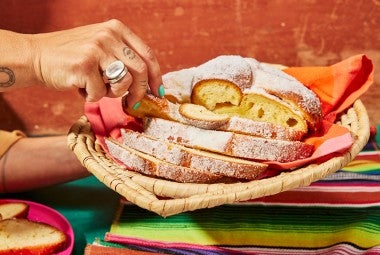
pixel 338 86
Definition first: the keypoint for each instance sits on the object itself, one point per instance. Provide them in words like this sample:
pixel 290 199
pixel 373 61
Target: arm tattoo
pixel 129 53
pixel 11 77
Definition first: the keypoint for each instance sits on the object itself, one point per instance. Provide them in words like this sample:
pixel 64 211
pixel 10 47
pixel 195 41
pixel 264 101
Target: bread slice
pixel 10 210
pixel 149 165
pixel 179 84
pixel 228 143
pixel 213 92
pixel 154 106
pixel 192 158
pixel 23 236
pixel 259 102
pixel 199 116
pixel 265 108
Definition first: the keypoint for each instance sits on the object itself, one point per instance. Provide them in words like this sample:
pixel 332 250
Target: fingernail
pixel 136 105
pixel 161 91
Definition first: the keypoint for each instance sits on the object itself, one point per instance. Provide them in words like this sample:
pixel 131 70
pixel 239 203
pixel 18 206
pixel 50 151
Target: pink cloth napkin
pixel 338 86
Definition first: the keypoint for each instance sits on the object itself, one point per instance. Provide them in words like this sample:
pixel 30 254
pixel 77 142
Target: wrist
pixel 16 62
pixel 34 58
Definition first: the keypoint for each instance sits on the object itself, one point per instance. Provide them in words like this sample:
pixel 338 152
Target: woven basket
pixel 168 198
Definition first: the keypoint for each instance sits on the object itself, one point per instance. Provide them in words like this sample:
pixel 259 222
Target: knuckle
pixel 73 81
pixel 138 90
pixel 115 23
pixel 149 54
pixel 85 63
pixel 103 34
pixel 119 91
pixel 91 49
pixel 92 96
pixel 95 94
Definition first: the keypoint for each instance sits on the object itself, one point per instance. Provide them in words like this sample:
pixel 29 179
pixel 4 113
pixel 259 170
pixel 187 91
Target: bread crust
pixel 23 236
pixel 192 158
pixel 288 89
pixel 220 92
pixel 199 116
pixel 227 143
pixel 261 129
pixel 10 210
pixel 149 165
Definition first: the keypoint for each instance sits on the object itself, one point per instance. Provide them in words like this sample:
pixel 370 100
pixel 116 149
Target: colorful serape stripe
pixel 337 215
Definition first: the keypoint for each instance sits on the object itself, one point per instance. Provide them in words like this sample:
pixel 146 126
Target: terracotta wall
pixel 188 32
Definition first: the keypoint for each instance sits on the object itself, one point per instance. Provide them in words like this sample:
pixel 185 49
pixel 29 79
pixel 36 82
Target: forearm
pixel 16 62
pixel 38 162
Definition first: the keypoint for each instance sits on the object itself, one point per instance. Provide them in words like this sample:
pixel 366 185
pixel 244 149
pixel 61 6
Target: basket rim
pixel 148 192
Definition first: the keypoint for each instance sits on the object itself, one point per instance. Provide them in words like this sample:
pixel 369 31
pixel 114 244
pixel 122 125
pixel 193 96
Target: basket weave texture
pixel 168 198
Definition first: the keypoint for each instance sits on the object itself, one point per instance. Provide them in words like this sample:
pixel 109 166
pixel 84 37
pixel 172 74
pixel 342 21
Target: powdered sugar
pixel 149 165
pixel 128 158
pixel 231 68
pixel 261 129
pixel 183 134
pixel 237 145
pixel 178 84
pixel 282 85
pixel 196 159
pixel 153 147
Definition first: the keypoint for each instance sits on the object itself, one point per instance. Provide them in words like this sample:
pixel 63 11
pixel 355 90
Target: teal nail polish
pixel 136 105
pixel 161 91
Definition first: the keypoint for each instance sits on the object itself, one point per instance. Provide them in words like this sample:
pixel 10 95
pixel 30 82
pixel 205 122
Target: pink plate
pixel 42 213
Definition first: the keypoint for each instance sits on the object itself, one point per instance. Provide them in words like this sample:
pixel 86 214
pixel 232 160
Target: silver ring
pixel 116 71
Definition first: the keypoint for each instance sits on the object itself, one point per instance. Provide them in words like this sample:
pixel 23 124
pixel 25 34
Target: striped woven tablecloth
pixel 337 215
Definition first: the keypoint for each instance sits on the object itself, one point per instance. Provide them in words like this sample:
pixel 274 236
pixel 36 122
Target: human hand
pixel 78 58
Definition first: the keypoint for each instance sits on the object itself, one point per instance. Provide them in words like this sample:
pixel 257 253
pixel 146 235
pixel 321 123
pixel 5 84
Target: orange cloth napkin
pixel 338 86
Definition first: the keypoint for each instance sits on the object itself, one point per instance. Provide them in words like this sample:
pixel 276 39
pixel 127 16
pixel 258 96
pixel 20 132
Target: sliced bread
pixel 192 158
pixel 10 210
pixel 222 84
pixel 23 236
pixel 228 143
pixel 199 116
pixel 149 165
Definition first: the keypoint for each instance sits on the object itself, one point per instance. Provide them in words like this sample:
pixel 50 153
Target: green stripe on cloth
pixel 308 227
pixel 363 166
